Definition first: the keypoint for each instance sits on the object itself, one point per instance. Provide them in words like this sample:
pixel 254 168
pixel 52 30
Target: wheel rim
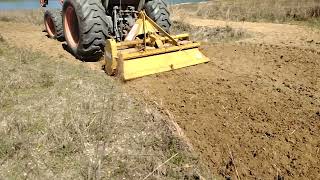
pixel 50 26
pixel 71 26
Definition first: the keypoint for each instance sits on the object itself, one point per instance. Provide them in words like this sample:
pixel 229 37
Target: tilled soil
pixel 251 112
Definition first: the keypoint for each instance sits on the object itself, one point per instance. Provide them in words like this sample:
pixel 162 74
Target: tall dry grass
pixel 237 10
pixel 209 34
pixel 259 10
pixel 23 16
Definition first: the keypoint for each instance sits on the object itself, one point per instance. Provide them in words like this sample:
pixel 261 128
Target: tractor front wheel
pixel 86 28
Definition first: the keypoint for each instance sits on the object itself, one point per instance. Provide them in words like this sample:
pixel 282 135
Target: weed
pixel 5 19
pixel 121 169
pixel 46 80
pixel 2 40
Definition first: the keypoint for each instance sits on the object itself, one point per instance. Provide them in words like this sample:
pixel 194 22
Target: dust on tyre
pixel 53 24
pixel 86 27
pixel 158 11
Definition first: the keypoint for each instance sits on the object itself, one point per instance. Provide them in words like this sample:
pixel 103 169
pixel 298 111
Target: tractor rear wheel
pixel 159 12
pixel 85 24
pixel 53 24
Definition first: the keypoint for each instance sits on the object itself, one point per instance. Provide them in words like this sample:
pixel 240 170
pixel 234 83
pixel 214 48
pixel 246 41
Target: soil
pixel 252 112
pixel 254 109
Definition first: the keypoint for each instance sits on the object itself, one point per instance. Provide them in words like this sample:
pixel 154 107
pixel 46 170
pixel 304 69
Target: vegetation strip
pixel 65 120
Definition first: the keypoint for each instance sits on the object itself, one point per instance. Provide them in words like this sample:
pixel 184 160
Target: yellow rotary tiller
pixel 148 49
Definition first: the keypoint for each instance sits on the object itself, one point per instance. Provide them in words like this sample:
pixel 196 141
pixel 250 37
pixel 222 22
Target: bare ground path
pixel 252 111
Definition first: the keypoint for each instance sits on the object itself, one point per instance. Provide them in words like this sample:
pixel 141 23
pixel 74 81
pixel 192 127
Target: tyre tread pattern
pixel 94 26
pixel 159 12
pixel 56 17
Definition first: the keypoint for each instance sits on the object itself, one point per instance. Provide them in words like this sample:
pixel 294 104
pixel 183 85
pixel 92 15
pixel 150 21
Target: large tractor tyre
pixel 159 12
pixel 85 25
pixel 53 24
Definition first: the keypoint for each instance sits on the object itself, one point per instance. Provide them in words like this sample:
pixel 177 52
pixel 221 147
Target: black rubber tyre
pixel 86 27
pixel 53 24
pixel 159 12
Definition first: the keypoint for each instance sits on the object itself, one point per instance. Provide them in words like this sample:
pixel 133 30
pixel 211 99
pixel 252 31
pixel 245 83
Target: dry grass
pixel 2 40
pixel 24 16
pixel 266 10
pixel 209 34
pixel 63 121
pixel 278 11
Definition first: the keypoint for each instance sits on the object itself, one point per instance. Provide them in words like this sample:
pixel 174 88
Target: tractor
pixel 132 35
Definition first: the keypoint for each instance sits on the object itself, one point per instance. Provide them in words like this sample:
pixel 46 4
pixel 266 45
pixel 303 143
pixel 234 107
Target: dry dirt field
pixel 252 112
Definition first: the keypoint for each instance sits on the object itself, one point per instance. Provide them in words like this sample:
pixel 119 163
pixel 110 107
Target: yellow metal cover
pixel 160 63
